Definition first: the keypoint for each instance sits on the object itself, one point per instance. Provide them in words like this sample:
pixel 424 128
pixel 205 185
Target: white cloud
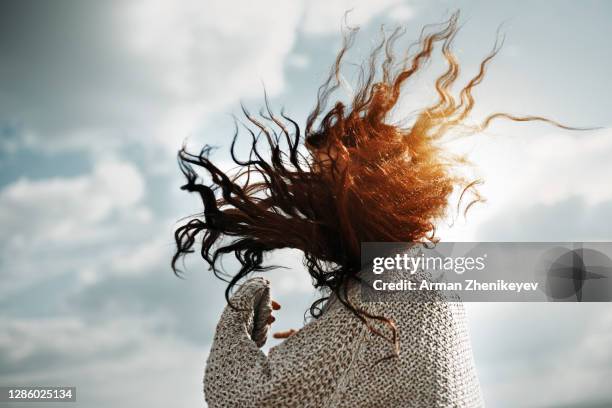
pixel 67 209
pixel 293 278
pixel 83 224
pixel 143 258
pixel 299 61
pixel 577 165
pixel 554 353
pixel 151 72
pixel 22 338
pixel 147 71
pixel 401 12
pixel 127 355
pixel 521 171
pixel 324 17
pixel 206 56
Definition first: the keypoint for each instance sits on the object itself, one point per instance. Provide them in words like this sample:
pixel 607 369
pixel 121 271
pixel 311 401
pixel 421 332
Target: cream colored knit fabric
pixel 334 361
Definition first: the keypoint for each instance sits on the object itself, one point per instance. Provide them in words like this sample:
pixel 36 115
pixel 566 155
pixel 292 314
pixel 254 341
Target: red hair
pixel 360 178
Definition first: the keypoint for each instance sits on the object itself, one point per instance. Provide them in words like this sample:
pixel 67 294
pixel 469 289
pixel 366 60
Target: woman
pixel 355 177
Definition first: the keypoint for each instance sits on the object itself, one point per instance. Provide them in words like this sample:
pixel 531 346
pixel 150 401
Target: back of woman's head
pixel 352 176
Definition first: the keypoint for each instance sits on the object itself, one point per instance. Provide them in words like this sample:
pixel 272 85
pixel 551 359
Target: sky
pixel 97 97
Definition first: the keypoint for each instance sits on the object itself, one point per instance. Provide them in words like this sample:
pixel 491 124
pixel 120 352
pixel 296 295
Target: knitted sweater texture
pixel 335 361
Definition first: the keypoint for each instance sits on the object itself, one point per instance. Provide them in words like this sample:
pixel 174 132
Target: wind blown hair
pixel 350 177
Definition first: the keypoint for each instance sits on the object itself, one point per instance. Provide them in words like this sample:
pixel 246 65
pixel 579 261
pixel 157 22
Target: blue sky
pixel 96 98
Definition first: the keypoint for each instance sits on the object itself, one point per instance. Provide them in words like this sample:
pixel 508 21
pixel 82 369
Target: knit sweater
pixel 336 361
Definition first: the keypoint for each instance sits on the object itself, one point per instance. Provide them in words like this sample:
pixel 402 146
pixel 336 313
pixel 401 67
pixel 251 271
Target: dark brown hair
pixel 351 177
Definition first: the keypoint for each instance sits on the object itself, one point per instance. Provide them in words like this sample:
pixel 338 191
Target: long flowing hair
pixel 351 176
